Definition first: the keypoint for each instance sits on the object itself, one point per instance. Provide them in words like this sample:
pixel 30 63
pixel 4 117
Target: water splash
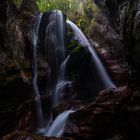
pixel 61 82
pixel 57 127
pixel 34 69
pixel 102 74
pixel 59 88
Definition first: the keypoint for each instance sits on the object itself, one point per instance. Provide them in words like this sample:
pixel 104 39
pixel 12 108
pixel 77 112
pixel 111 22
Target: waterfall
pixel 55 46
pixel 54 41
pixel 56 59
pixel 63 68
pixel 101 72
pixel 55 56
pixel 57 127
pixel 61 82
pixel 34 69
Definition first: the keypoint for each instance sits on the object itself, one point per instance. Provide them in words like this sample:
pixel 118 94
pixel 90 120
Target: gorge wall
pixel 15 87
pixel 124 17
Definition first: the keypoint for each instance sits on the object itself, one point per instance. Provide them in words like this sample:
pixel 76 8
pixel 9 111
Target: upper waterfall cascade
pixel 102 74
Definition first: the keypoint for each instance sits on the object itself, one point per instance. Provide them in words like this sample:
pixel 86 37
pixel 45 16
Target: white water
pixel 54 44
pixel 61 82
pixel 55 32
pixel 57 127
pixel 59 88
pixel 102 74
pixel 60 33
pixel 34 70
pixel 63 68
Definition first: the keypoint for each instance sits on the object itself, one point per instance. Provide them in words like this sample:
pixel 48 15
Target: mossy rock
pixel 76 50
pixel 17 3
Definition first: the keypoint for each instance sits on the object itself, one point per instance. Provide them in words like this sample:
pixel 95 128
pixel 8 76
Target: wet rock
pixel 80 70
pixel 67 105
pixel 22 135
pixel 114 115
pixel 27 119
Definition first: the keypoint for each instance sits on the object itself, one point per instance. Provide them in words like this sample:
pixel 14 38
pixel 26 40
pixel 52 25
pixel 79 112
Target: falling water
pixel 55 47
pixel 54 42
pixel 61 83
pixel 34 69
pixel 102 74
pixel 55 56
pixel 63 68
pixel 57 127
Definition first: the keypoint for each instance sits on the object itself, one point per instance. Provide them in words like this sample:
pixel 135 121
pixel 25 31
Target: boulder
pixel 114 114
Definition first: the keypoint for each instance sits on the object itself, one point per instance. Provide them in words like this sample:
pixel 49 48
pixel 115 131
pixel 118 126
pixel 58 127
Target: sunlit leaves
pixel 81 12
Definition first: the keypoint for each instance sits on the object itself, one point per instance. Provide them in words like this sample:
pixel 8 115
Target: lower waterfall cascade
pixel 57 127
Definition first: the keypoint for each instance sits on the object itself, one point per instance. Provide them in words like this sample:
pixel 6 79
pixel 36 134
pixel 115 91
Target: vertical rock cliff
pixel 15 21
pixel 124 17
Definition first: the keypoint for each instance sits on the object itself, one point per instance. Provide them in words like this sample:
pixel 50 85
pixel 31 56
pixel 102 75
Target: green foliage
pixel 64 5
pixel 17 3
pixel 80 12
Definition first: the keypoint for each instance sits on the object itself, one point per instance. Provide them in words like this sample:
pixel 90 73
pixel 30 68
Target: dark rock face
pixel 114 114
pixel 125 20
pixel 13 42
pixel 26 119
pixel 81 74
pixel 110 49
pixel 15 73
pixel 21 135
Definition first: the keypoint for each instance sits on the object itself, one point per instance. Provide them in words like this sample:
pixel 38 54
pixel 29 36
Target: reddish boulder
pixel 113 113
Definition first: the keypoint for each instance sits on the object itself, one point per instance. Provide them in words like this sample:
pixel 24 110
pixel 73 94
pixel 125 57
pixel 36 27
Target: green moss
pixel 72 44
pixel 17 3
pixel 76 50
